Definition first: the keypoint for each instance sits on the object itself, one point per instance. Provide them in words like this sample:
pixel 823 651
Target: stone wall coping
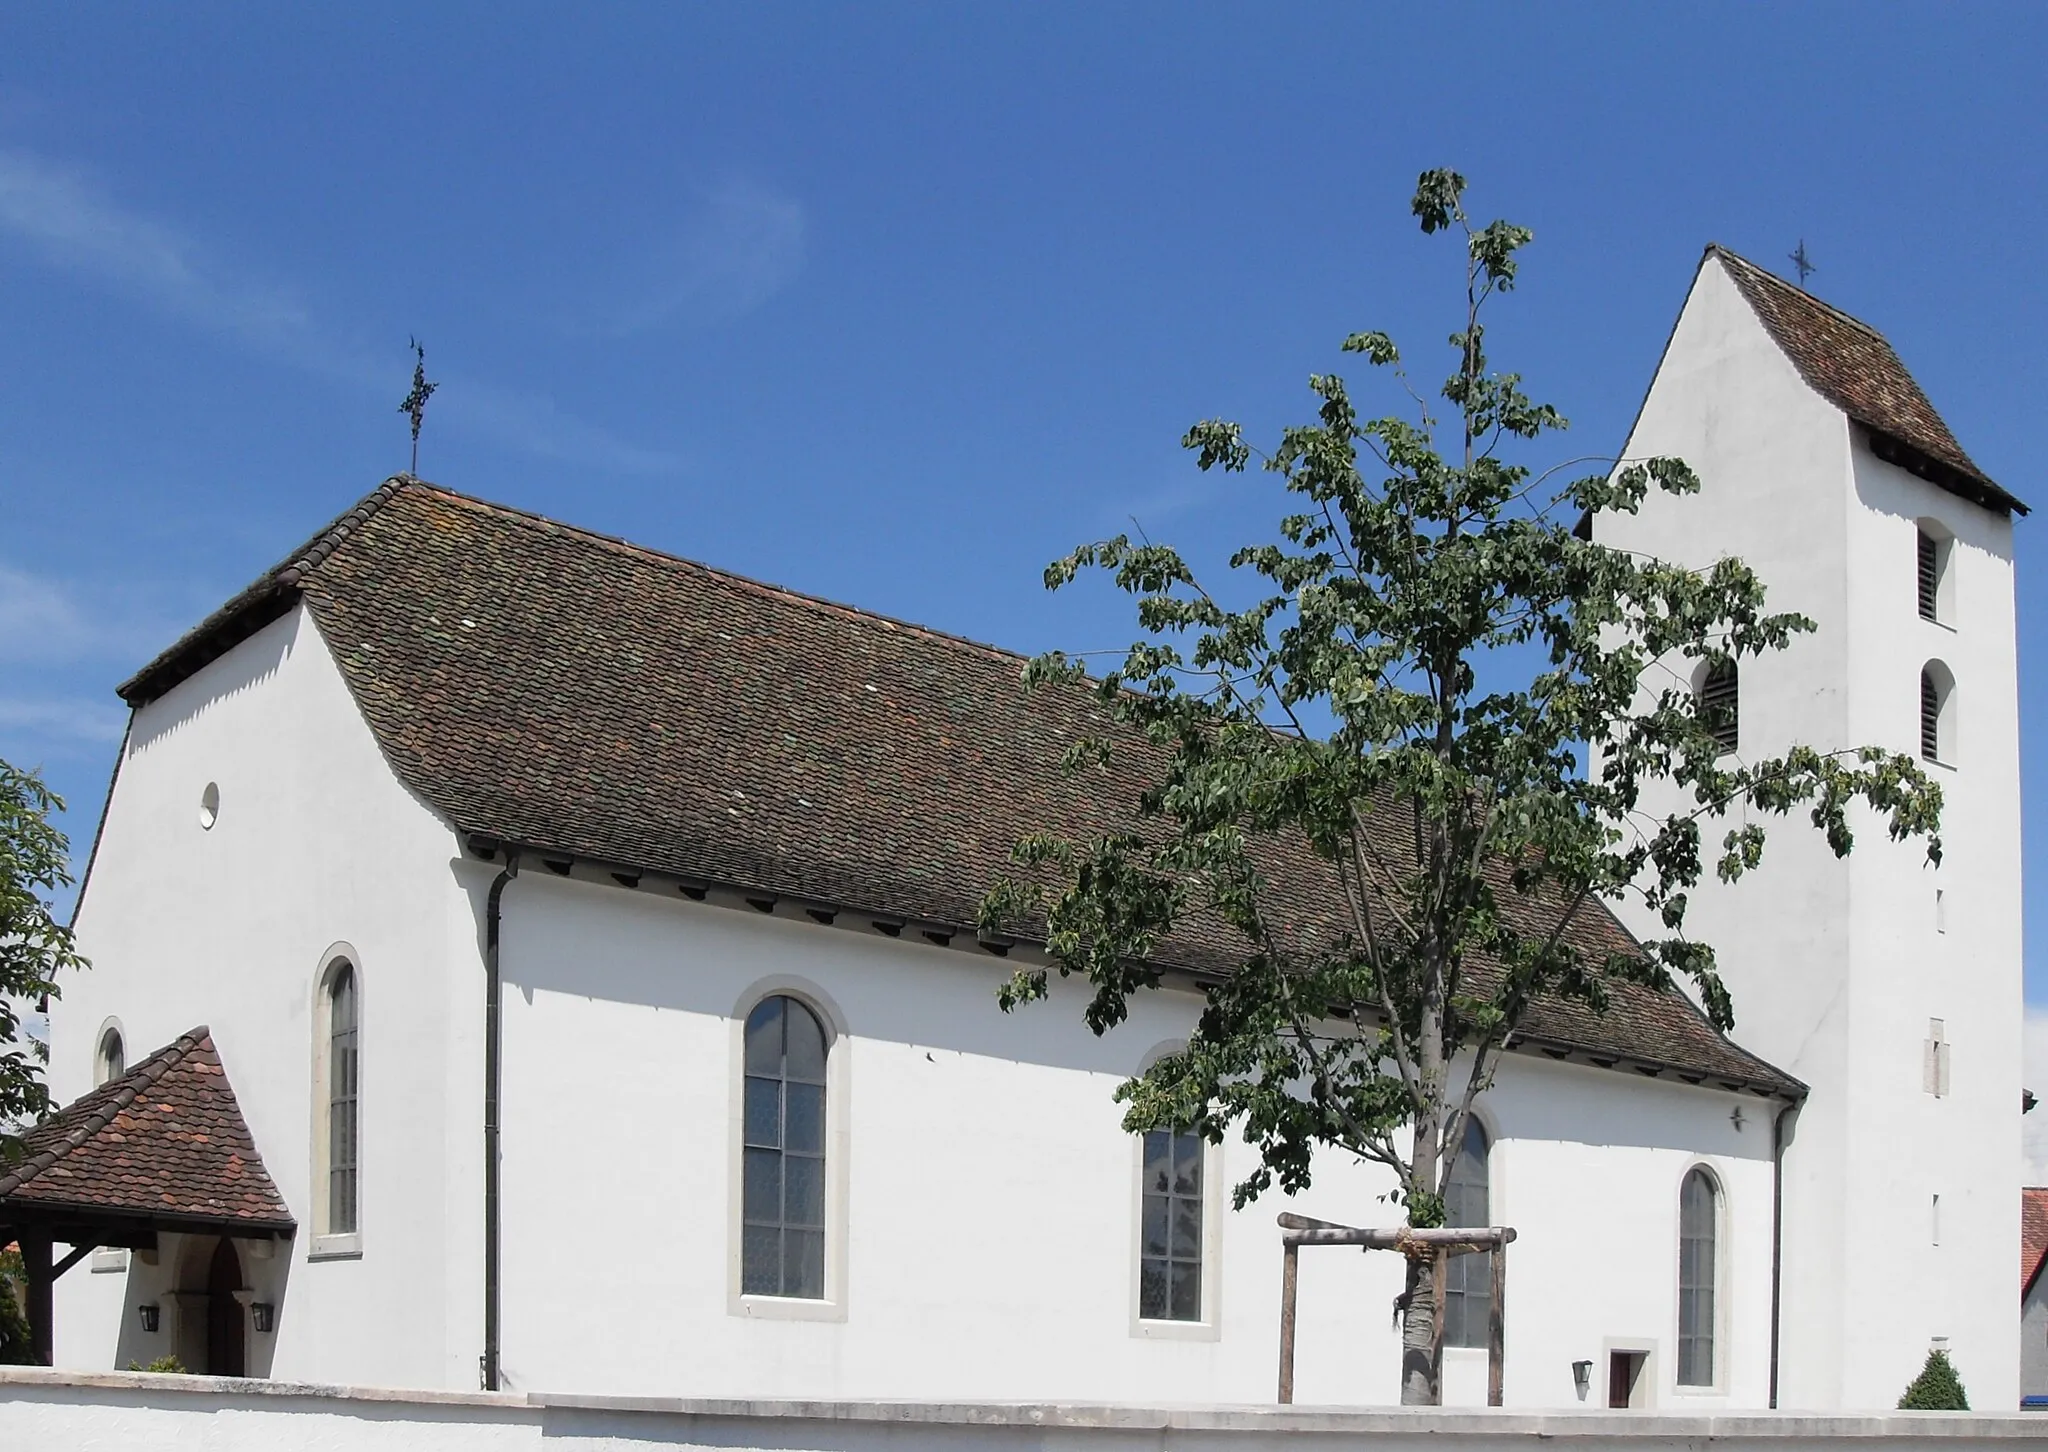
pixel 1595 1425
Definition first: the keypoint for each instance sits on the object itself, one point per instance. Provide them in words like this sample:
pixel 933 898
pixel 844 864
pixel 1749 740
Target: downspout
pixel 1777 1233
pixel 493 987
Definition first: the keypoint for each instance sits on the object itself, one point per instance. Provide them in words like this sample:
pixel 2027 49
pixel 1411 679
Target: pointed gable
pixel 1850 364
pixel 164 1143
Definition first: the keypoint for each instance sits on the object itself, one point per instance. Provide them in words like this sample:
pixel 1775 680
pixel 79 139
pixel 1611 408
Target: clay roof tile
pixel 573 694
pixel 166 1138
pixel 1849 363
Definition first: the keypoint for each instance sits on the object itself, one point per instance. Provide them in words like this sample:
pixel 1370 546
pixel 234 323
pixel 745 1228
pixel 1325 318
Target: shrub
pixel 1937 1388
pixel 14 1338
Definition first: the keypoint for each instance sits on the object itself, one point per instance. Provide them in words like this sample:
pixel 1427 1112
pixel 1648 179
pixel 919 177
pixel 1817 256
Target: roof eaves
pixel 1765 1080
pixel 269 598
pixel 1759 1076
pixel 1889 447
pixel 1963 479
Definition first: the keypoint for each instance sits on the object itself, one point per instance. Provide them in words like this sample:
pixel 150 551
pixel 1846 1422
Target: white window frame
pixel 1480 1116
pixel 112 1026
pixel 838 1076
pixel 327 1244
pixel 1947 749
pixel 1936 1059
pixel 108 1257
pixel 1944 572
pixel 1722 1258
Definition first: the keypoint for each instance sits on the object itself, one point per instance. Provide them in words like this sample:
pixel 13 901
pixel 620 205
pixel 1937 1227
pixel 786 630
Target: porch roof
pixel 162 1148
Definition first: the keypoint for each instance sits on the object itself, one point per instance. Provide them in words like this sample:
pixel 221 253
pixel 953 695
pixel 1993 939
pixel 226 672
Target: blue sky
pixel 893 305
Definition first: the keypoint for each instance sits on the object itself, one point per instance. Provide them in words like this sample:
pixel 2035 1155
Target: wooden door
pixel 225 1314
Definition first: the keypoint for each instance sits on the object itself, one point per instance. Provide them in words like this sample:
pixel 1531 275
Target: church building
pixel 526 959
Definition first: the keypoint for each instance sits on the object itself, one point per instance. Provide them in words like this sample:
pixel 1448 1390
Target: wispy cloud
pixel 61 720
pixel 530 421
pixel 47 620
pixel 54 636
pixel 75 226
pixel 742 245
pixel 69 222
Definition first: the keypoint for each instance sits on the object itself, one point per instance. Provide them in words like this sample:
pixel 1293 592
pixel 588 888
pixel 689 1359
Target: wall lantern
pixel 147 1315
pixel 1582 1377
pixel 264 1313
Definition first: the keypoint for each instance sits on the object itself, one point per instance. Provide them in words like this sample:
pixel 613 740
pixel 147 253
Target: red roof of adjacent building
pixel 163 1144
pixel 2033 1234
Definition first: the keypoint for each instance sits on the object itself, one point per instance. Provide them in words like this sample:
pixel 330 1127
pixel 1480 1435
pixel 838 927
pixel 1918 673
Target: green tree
pixel 16 1348
pixel 34 946
pixel 1408 704
pixel 1937 1388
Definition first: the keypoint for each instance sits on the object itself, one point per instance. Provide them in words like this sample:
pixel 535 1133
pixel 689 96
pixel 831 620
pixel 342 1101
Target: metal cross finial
pixel 416 402
pixel 1801 261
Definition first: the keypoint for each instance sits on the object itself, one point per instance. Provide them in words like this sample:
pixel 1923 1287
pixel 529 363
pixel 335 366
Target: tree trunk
pixel 1421 1374
pixel 1421 1360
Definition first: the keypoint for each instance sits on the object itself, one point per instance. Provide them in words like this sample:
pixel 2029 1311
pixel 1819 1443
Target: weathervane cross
pixel 415 403
pixel 1801 261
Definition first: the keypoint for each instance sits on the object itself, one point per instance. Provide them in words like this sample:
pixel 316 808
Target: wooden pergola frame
pixel 1439 1245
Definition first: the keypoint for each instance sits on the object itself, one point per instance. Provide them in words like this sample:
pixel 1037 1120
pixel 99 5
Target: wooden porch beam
pixel 78 1253
pixel 35 1262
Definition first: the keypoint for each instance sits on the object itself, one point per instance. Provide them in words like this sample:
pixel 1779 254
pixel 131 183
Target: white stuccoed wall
pixel 316 844
pixel 1836 967
pixel 990 1193
pixel 987 1189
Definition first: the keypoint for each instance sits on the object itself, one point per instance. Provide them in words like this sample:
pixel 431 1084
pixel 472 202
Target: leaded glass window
pixel 344 1095
pixel 1468 1278
pixel 1698 1217
pixel 1170 1234
pixel 782 1241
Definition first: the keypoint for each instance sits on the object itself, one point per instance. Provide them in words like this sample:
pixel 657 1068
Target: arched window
pixel 782 1194
pixel 1699 1215
pixel 109 1057
pixel 1937 713
pixel 1717 694
pixel 341 1012
pixel 1170 1227
pixel 1468 1278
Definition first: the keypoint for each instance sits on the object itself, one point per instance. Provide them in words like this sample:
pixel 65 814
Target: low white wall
pixel 54 1411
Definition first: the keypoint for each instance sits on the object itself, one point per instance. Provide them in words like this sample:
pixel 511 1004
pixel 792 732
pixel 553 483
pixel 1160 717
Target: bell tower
pixel 1892 988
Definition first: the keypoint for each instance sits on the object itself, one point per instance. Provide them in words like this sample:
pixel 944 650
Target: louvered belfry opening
pixel 1719 705
pixel 1930 574
pixel 1930 717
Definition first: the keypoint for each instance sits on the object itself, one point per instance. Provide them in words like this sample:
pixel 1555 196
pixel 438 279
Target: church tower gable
pixel 1889 985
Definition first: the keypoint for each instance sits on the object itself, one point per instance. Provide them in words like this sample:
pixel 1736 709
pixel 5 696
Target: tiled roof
pixel 1850 364
pixel 164 1142
pixel 572 694
pixel 2033 1234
